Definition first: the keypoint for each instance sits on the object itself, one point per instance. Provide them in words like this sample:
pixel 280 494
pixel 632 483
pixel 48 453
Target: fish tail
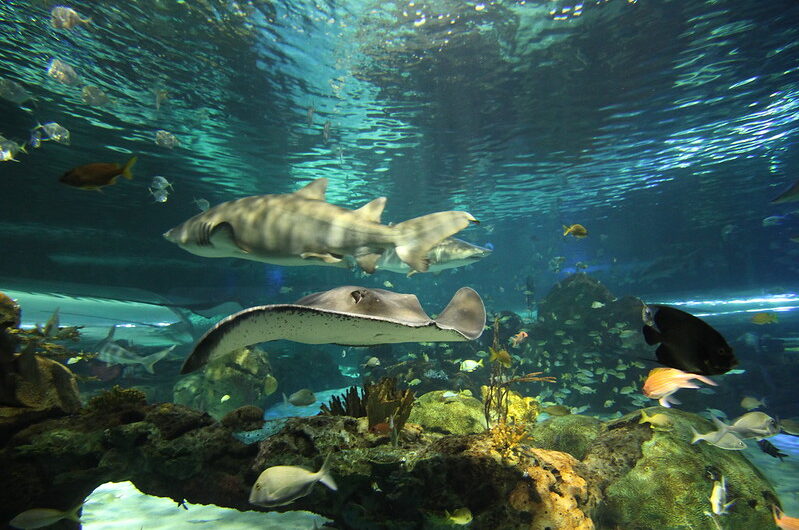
pixel 126 169
pixel 324 474
pixel 72 513
pixel 644 417
pixel 416 237
pixel 696 437
pixel 565 230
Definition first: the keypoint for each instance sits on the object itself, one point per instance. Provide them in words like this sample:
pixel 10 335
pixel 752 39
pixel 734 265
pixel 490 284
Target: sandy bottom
pixel 119 505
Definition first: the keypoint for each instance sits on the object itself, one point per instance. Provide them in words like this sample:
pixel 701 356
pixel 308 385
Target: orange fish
pixel 661 383
pixel 578 231
pixel 518 338
pixel 764 317
pixel 783 521
pixel 95 176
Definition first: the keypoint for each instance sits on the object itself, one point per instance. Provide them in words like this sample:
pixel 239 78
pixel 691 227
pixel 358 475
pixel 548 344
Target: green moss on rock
pixel 462 415
pixel 571 434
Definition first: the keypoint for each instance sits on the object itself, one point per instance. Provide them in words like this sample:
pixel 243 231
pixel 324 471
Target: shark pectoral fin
pixel 368 262
pixel 416 237
pixel 372 211
pixel 415 257
pixel 223 236
pixel 327 258
pixel 314 191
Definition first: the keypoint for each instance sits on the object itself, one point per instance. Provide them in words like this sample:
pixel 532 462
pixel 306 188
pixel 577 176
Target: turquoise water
pixel 665 128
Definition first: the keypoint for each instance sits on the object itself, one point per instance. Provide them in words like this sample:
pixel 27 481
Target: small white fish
pixel 62 72
pixel 66 18
pixel 161 183
pixel 53 131
pixel 470 365
pixel 224 398
pixel 597 304
pixel 166 139
pixel 387 284
pixel 281 485
pixel 159 195
pixel 13 91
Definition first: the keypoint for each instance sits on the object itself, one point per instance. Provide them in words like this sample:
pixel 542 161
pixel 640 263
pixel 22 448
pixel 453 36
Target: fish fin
pixel 72 513
pixel 416 237
pixel 695 436
pixel 324 474
pixel 651 335
pixel 149 361
pixel 644 417
pixel 372 210
pixel 706 380
pixel 565 230
pixel 327 257
pixel 285 399
pixel 126 169
pixel 313 191
pixel 368 262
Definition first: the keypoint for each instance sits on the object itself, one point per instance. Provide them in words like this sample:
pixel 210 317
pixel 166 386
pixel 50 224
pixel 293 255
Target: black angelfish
pixel 771 449
pixel 686 342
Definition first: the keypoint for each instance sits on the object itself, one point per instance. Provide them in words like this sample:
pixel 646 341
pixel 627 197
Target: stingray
pixel 349 316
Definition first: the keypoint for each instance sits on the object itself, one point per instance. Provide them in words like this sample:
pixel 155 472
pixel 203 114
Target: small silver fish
pixel 202 204
pixel 62 72
pixel 55 132
pixel 13 91
pixel 160 183
pixel 92 95
pixel 281 485
pixel 159 195
pixel 66 18
pixel 166 139
pixel 42 517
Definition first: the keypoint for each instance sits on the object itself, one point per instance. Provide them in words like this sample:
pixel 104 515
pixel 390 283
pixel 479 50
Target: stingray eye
pixel 358 295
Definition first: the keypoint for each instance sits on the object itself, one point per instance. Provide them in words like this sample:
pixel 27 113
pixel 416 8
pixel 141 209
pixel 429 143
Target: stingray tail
pixel 416 237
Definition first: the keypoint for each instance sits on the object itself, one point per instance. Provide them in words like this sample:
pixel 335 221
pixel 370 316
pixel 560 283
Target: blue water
pixel 665 128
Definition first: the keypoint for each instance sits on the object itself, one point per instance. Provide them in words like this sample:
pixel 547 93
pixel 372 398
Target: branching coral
pixel 381 402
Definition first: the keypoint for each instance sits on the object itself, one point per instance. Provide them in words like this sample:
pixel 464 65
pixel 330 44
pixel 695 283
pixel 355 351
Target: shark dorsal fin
pixel 314 191
pixel 372 210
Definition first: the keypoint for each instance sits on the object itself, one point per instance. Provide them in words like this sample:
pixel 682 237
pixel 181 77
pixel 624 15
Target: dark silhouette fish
pixel 686 342
pixel 95 176
pixel 771 449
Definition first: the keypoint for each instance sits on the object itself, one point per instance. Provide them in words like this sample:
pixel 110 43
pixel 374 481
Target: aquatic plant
pixel 496 401
pixel 381 402
pixel 506 437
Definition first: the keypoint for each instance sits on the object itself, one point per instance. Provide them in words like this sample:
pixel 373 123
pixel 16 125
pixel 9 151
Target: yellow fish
pixel 501 356
pixel 765 317
pixel 461 516
pixel 658 420
pixel 578 231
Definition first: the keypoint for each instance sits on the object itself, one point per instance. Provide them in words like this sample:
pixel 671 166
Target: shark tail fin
pixel 416 237
pixel 126 169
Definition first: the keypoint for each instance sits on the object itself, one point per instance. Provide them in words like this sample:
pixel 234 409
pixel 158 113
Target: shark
pixel 302 228
pixel 449 254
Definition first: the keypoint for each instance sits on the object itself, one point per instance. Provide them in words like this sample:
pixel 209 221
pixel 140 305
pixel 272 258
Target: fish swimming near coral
pixel 301 398
pixel 349 316
pixel 500 356
pixel 449 254
pixel 657 421
pixel 113 353
pixel 301 228
pixel 719 438
pixel 518 338
pixel 686 342
pixel 98 175
pixel 281 485
pixel 718 497
pixel 661 383
pixel 751 403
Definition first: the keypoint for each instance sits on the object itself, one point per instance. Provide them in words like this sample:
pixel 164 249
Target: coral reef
pixel 244 376
pixel 658 479
pixel 571 434
pixel 382 403
pixel 461 415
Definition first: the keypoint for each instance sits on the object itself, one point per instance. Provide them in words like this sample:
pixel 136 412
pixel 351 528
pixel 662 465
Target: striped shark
pixel 301 228
pixel 449 254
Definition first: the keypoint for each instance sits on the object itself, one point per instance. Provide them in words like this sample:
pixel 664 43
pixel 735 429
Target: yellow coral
pixel 506 437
